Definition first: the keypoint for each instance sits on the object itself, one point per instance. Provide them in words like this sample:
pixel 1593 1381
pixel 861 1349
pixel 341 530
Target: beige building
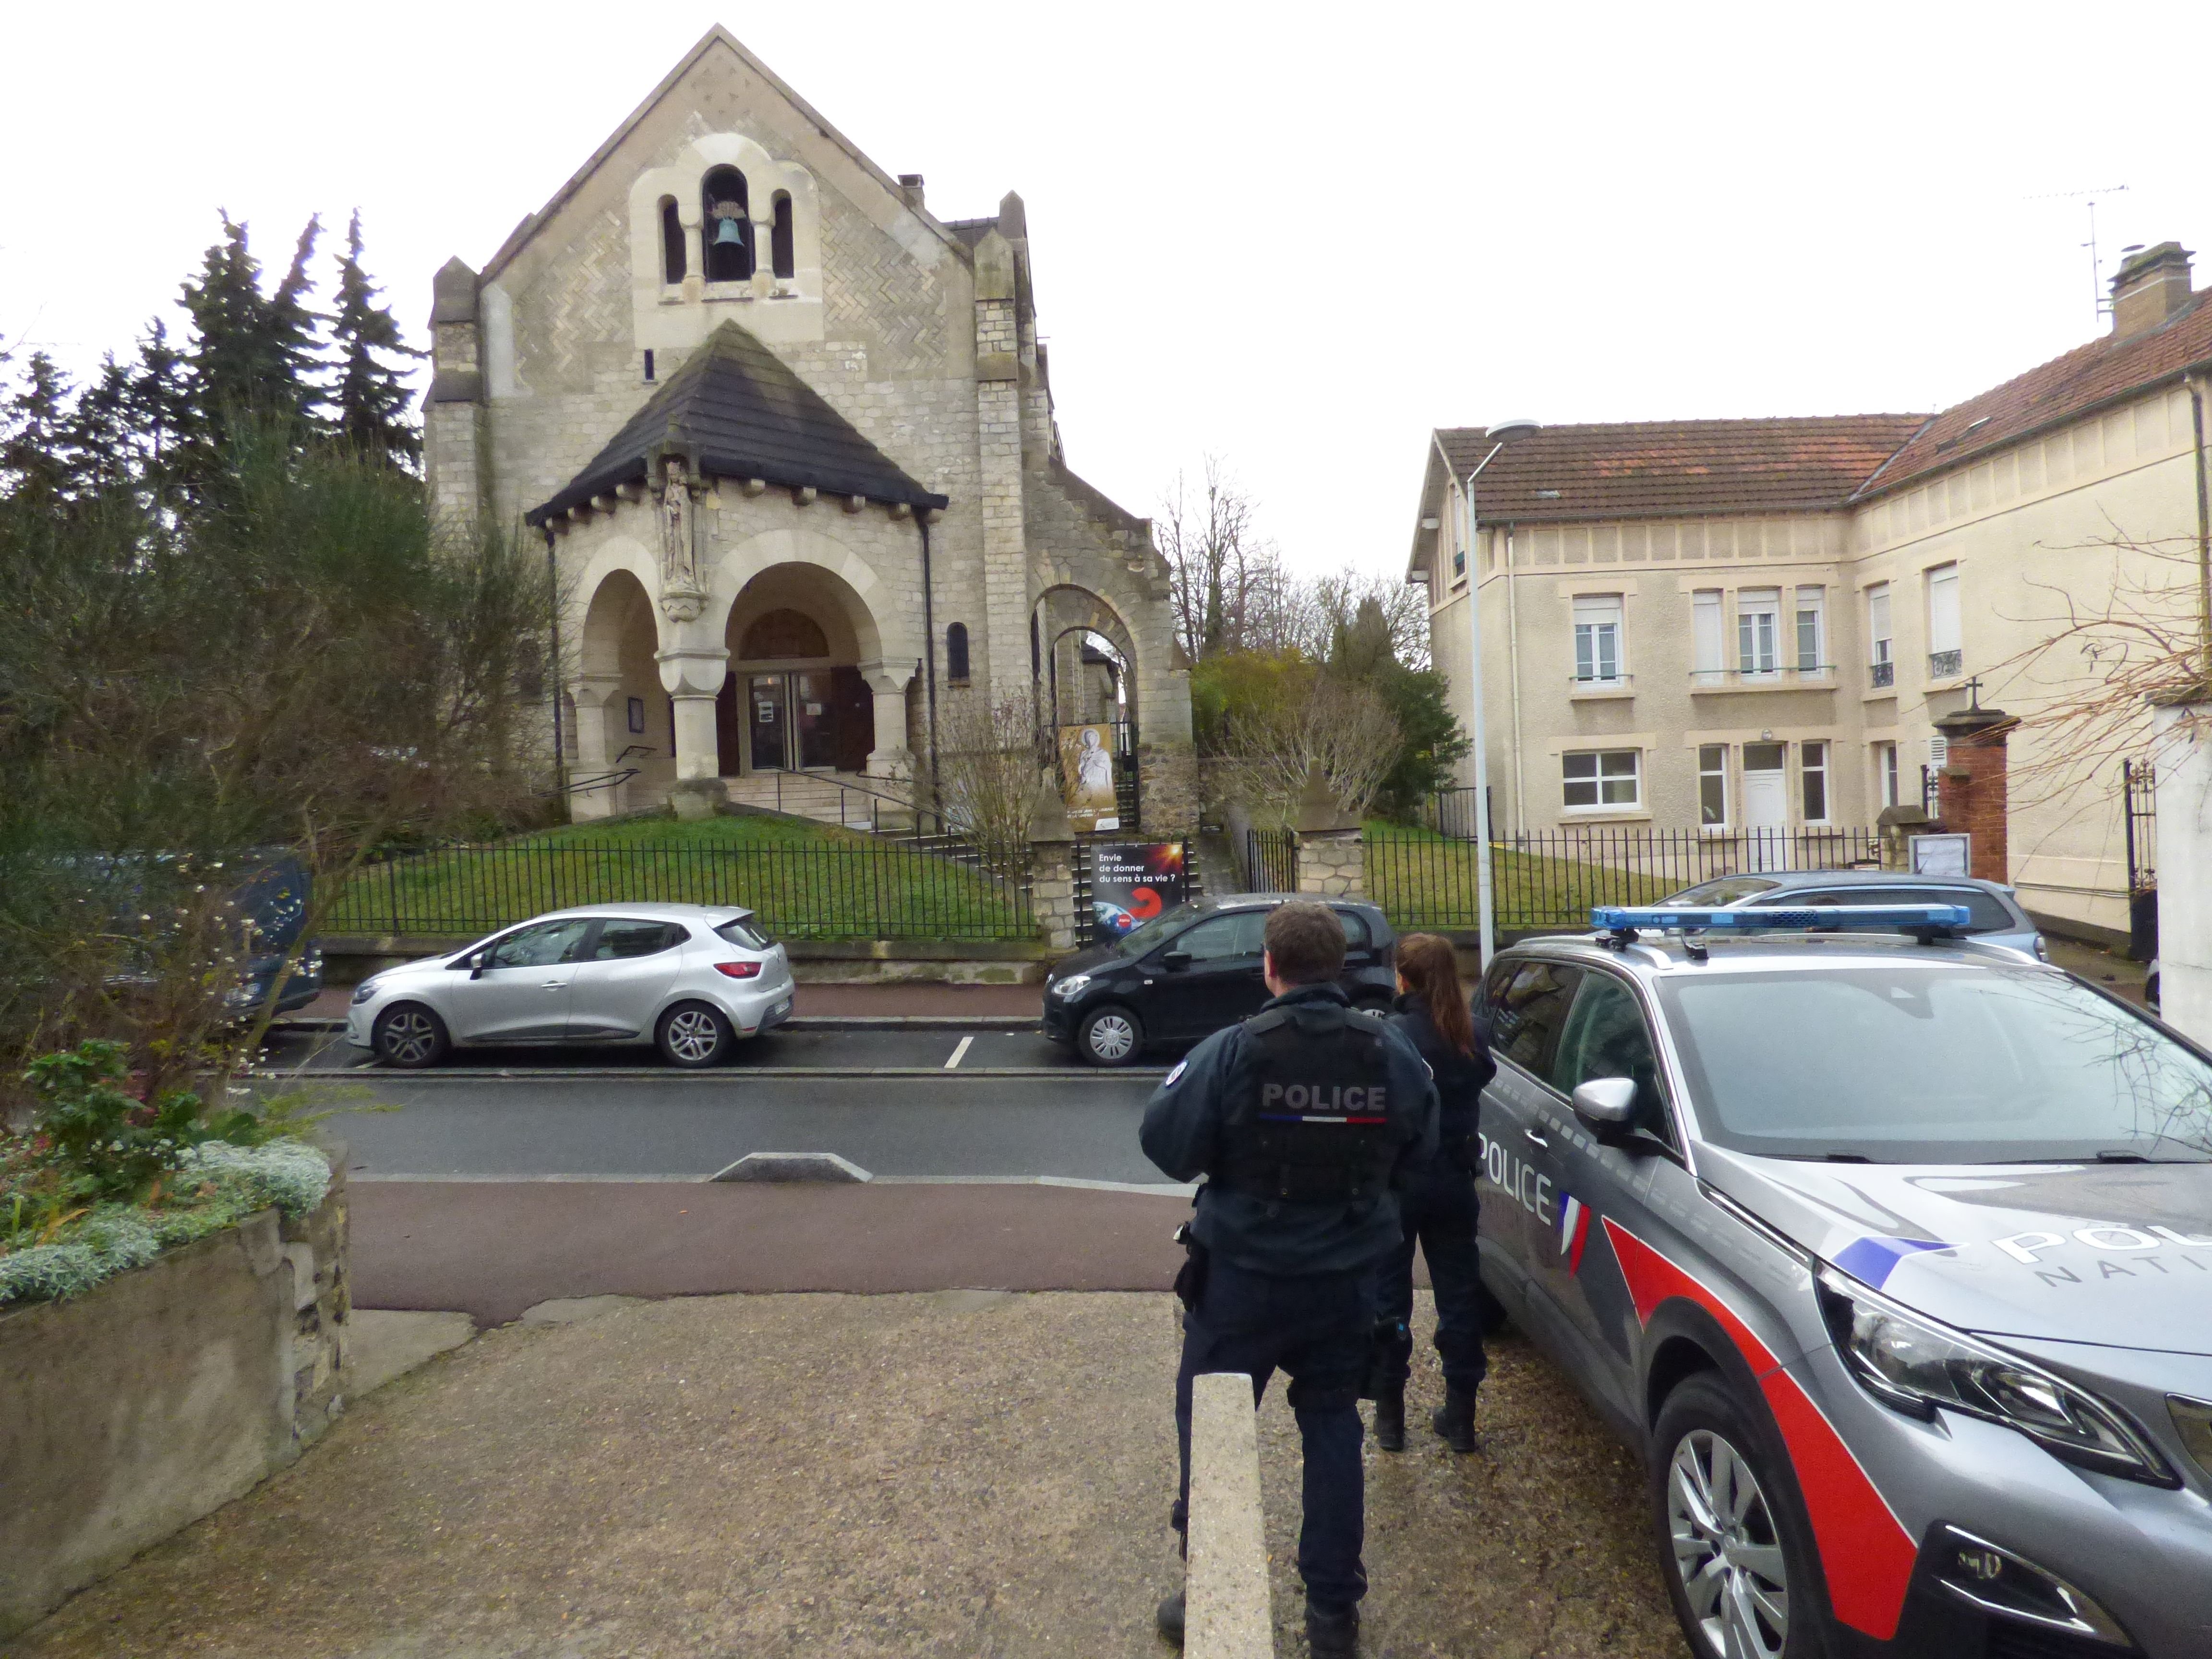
pixel 1723 625
pixel 792 438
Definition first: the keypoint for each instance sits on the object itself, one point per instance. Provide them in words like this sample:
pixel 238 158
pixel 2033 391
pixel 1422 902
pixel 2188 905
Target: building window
pixel 671 242
pixel 1881 667
pixel 1813 773
pixel 728 233
pixel 1712 785
pixel 1758 630
pixel 1459 562
pixel 785 261
pixel 1946 655
pixel 956 653
pixel 1884 771
pixel 1812 630
pixel 1597 638
pixel 1609 777
pixel 636 714
pixel 1707 657
pixel 649 363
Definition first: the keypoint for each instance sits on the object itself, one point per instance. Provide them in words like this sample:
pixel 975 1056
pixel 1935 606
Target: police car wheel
pixel 1111 1035
pixel 1733 1545
pixel 410 1036
pixel 693 1036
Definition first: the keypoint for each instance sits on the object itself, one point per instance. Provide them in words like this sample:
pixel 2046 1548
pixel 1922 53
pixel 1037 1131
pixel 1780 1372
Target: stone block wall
pixel 161 1394
pixel 1332 864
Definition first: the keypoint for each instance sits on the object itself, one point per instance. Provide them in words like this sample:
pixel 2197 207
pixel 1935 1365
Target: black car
pixel 1185 973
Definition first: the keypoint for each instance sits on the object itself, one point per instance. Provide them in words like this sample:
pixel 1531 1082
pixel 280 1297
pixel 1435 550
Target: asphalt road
pixel 888 1100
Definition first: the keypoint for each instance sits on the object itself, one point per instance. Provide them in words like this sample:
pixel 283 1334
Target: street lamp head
pixel 1506 431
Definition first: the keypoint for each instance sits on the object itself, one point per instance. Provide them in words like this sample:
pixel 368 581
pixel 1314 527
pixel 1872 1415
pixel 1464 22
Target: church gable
pixel 724 197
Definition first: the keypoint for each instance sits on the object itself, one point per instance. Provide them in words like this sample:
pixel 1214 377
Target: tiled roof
pixel 1667 469
pixel 739 412
pixel 2060 390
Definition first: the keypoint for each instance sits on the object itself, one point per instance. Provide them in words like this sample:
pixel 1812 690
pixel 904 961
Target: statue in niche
pixel 682 597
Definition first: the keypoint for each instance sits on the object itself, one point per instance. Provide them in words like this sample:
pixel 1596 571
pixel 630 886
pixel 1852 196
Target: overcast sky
pixel 1293 237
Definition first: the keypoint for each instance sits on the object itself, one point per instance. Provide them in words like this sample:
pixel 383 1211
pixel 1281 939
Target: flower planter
pixel 162 1394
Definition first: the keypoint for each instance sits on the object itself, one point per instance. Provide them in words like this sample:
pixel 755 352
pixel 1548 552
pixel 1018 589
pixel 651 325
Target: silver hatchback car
pixel 690 979
pixel 1892 1255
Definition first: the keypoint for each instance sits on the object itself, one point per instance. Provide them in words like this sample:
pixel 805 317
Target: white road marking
pixel 953 1064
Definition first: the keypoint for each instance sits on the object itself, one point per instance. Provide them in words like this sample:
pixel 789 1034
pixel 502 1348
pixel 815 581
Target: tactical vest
pixel 1314 1124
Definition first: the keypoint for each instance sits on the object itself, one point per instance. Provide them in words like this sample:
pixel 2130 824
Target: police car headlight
pixel 1072 986
pixel 1916 1366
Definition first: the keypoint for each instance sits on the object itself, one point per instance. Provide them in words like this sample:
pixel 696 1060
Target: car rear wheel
pixel 409 1036
pixel 1111 1035
pixel 1738 1557
pixel 694 1035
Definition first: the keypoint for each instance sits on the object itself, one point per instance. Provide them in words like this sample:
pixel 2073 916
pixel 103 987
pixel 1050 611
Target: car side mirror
pixel 1607 1104
pixel 1176 961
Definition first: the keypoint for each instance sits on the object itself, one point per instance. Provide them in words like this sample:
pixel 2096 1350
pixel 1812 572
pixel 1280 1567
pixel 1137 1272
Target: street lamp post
pixel 1485 907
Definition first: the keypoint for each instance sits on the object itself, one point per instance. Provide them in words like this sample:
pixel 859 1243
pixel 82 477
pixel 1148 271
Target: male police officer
pixel 1300 1118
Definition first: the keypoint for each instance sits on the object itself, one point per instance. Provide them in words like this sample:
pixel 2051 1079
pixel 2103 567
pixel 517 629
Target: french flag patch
pixel 1574 1231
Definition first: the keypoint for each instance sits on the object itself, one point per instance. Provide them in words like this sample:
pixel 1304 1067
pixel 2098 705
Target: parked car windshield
pixel 1933 1063
pixel 1143 937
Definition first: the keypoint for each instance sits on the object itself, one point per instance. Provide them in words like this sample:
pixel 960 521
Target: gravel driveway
pixel 956 1474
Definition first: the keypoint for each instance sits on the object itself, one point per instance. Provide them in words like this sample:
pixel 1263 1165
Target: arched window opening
pixel 729 228
pixel 956 653
pixel 672 243
pixel 780 248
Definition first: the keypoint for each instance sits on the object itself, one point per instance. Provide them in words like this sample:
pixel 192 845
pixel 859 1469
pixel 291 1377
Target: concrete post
pixel 693 678
pixel 1896 826
pixel 595 695
pixel 1971 790
pixel 2183 739
pixel 1226 1613
pixel 1052 871
pixel 1332 857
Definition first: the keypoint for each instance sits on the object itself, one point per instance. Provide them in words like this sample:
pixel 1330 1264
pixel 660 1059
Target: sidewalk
pixel 903 1000
pixel 963 1473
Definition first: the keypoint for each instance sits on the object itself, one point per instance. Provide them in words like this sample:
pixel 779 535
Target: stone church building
pixel 791 438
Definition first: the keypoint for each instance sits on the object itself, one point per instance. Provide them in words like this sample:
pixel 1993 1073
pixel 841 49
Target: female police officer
pixel 1303 1120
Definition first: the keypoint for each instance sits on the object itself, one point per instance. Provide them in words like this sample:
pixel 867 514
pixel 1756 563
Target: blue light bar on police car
pixel 1773 919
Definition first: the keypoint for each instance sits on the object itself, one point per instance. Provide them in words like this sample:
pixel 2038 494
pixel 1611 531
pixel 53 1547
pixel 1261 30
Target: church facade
pixel 791 439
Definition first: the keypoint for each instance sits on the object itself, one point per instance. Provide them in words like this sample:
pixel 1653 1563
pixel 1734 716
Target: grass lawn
pixel 805 880
pixel 1423 880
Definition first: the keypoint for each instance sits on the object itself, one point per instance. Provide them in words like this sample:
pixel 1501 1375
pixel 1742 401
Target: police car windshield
pixel 1143 938
pixel 1932 1062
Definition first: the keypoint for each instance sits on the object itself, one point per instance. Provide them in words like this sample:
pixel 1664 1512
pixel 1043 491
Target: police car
pixel 1892 1253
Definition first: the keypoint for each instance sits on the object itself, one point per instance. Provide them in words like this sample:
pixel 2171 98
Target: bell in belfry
pixel 729 224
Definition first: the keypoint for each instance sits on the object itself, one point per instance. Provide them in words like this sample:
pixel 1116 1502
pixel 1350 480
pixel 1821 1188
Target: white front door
pixel 1765 807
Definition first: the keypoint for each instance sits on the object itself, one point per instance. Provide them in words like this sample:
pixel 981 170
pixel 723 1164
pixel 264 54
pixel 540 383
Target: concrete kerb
pixel 1226 1612
pixel 793 1166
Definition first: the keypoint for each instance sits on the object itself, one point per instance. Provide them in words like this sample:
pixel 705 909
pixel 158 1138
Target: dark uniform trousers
pixel 1319 1330
pixel 1437 1206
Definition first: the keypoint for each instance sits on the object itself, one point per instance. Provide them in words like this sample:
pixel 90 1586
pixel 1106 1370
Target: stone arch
pixel 623 721
pixel 1066 610
pixel 880 632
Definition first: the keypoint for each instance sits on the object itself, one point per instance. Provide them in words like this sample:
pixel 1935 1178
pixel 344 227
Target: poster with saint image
pixel 1086 765
pixel 1131 881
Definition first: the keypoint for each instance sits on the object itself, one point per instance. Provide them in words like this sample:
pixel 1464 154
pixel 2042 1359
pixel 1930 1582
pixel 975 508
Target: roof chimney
pixel 910 190
pixel 2151 287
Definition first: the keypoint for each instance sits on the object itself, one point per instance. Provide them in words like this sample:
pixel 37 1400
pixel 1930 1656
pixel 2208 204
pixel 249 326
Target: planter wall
pixel 161 1395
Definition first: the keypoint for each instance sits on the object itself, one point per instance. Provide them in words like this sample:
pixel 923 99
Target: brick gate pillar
pixel 1332 857
pixel 1971 790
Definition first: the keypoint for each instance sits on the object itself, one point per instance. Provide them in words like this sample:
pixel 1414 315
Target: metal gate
pixel 2139 808
pixel 1271 857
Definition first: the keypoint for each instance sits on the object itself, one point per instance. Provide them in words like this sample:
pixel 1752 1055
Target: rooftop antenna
pixel 2100 303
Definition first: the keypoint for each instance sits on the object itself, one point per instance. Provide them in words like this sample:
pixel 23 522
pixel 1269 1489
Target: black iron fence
pixel 1424 879
pixel 1271 861
pixel 797 893
pixel 2139 807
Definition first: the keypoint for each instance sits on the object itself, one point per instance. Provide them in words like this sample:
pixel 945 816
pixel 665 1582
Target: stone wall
pixel 161 1394
pixel 1332 864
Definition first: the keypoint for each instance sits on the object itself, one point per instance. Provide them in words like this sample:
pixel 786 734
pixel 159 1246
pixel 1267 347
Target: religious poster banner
pixel 1131 881
pixel 1086 765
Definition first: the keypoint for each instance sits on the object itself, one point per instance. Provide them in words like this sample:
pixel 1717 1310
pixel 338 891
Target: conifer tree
pixel 34 463
pixel 163 414
pixel 292 331
pixel 371 400
pixel 252 353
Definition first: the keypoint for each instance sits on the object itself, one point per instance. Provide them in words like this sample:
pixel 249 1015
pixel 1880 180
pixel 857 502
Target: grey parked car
pixel 1997 916
pixel 690 979
pixel 1892 1258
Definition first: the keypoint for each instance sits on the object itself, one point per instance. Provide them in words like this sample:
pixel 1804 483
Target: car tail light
pixel 738 969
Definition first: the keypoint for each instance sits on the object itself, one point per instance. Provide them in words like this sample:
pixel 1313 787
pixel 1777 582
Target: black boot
pixel 1169 1618
pixel 1390 1418
pixel 1333 1635
pixel 1455 1420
